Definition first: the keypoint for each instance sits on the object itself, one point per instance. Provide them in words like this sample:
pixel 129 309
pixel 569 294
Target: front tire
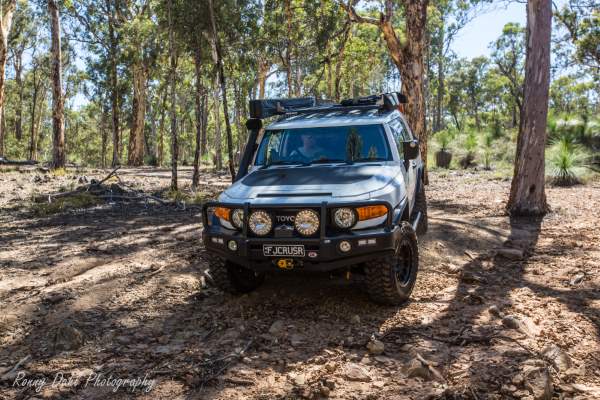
pixel 232 278
pixel 391 279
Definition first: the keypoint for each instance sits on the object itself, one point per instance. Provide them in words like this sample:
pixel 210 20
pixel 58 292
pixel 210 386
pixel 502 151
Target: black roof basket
pixel 265 108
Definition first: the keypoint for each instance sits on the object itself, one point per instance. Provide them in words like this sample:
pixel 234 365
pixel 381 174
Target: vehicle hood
pixel 314 181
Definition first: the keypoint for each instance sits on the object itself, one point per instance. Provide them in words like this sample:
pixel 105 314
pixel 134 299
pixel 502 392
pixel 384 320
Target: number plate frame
pixel 284 250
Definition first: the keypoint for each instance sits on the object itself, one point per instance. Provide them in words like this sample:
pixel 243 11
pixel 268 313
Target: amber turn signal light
pixel 369 212
pixel 223 213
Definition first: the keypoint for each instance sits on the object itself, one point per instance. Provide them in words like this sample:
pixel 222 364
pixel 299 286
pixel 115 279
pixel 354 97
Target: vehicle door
pixel 398 131
pixel 412 165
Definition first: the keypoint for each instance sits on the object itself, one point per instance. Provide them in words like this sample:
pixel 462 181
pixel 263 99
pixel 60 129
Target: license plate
pixel 275 250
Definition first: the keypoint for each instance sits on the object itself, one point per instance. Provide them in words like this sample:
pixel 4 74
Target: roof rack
pixel 265 108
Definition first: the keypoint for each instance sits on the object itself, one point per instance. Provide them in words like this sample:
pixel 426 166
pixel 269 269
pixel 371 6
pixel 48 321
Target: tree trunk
pixel 173 62
pixel 18 65
pixel 339 62
pixel 408 56
pixel 58 126
pixel 263 70
pixel 288 50
pixel 199 118
pixel 217 117
pixel 412 71
pixel 136 136
pixel 104 137
pixel 219 61
pixel 5 24
pixel 33 127
pixel 203 137
pixel 439 101
pixel 114 86
pixel 527 194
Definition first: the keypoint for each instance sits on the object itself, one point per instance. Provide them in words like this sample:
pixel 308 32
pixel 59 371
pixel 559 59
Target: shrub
pixel 566 161
pixel 470 145
pixel 443 139
pixel 488 140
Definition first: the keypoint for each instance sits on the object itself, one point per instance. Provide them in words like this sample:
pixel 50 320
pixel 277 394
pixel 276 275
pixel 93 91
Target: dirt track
pixel 119 291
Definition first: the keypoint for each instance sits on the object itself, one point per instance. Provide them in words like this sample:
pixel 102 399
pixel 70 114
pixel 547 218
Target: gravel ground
pixel 111 301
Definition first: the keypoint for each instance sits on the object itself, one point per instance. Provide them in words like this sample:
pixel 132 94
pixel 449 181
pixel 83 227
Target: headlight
pixel 344 217
pixel 307 222
pixel 237 218
pixel 260 223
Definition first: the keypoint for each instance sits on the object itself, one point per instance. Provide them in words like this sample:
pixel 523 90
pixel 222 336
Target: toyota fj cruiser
pixel 324 187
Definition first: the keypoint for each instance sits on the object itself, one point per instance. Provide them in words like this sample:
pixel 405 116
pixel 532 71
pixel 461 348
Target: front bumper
pixel 322 253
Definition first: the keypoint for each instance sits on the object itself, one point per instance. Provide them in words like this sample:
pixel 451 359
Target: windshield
pixel 360 143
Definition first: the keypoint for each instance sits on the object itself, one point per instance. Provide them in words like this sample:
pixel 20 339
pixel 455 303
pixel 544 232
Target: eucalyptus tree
pixel 21 38
pixel 7 10
pixel 58 108
pixel 527 192
pixel 407 50
pixel 97 25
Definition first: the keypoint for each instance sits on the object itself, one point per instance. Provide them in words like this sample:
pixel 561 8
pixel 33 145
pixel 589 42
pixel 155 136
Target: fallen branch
pixel 4 161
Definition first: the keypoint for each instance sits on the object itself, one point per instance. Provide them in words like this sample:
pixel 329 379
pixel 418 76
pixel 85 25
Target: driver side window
pixel 401 135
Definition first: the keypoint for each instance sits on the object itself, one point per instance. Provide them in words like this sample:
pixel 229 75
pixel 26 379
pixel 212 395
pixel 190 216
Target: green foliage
pixel 566 161
pixel 443 139
pixel 487 143
pixel 470 143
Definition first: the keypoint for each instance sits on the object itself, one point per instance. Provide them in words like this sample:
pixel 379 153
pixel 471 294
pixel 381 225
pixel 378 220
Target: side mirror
pixel 411 150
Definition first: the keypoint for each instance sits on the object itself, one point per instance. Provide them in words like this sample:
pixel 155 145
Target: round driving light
pixel 260 223
pixel 237 217
pixel 344 217
pixel 232 245
pixel 345 246
pixel 307 222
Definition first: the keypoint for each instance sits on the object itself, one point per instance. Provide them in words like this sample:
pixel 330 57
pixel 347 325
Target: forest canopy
pixel 119 56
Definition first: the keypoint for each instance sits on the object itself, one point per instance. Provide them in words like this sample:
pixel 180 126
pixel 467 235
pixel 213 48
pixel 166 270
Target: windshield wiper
pixel 283 162
pixel 367 159
pixel 327 161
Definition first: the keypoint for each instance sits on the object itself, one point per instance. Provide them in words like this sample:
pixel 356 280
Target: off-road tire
pixel 421 207
pixel 386 279
pixel 232 278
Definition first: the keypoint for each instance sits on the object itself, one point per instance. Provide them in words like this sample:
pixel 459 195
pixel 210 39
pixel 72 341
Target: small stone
pixel 57 297
pixel 297 379
pixel 355 319
pixel 577 279
pixel 378 384
pixel 164 339
pixel 416 369
pixel 123 340
pixel 510 253
pixel 511 322
pixel 495 311
pixel 329 383
pixel 324 390
pixel 375 346
pixel 67 338
pixel 559 358
pixel 277 328
pixel 538 382
pixel 356 373
pixel 471 278
pixel 331 367
pixel 296 340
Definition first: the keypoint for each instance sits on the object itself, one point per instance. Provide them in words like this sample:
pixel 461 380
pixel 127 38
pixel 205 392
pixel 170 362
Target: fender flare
pixel 399 211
